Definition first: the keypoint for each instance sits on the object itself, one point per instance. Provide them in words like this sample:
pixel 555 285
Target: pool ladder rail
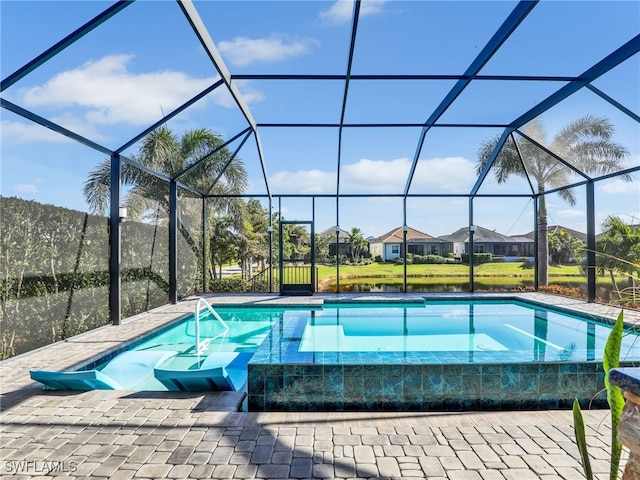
pixel 201 346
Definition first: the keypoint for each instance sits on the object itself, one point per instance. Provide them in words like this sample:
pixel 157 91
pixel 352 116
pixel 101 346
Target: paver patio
pixel 124 435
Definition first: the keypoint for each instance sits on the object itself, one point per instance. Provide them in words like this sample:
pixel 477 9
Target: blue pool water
pixel 496 330
pixel 246 331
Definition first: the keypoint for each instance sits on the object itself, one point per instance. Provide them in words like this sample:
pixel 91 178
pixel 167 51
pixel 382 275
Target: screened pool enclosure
pixel 141 140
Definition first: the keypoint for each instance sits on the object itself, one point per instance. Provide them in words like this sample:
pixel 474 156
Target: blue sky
pixel 145 61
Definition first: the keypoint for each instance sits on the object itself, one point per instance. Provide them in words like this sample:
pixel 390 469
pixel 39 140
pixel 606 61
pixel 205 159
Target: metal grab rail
pixel 201 346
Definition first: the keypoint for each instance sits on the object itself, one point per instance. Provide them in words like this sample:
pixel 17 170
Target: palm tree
pixel 563 246
pixel 252 239
pixel 163 152
pixel 357 243
pixel 585 143
pixel 618 251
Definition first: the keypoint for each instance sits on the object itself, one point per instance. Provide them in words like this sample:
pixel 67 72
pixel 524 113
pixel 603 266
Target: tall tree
pixel 222 244
pixel 618 251
pixel 296 242
pixel 170 155
pixel 586 143
pixel 563 247
pixel 357 243
pixel 322 246
pixel 252 238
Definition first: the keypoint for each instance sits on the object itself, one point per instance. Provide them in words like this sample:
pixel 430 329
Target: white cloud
pixel 342 10
pixel 243 51
pixel 249 94
pixel 619 186
pixel 370 7
pixel 381 176
pixel 112 94
pixel 304 181
pixel 26 133
pixel 452 174
pixel 339 12
pixel 570 213
pixel 25 188
pixel 632 160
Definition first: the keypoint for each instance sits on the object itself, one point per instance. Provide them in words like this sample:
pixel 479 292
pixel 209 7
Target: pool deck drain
pixel 123 435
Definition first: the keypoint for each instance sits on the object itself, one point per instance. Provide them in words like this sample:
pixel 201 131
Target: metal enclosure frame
pixel 472 73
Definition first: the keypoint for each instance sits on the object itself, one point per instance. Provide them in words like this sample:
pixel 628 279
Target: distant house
pixel 391 245
pixel 343 244
pixel 555 228
pixel 488 241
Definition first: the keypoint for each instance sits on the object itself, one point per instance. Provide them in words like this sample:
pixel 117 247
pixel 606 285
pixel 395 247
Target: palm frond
pixel 160 150
pixel 236 176
pixel 599 156
pixel 198 142
pixel 97 188
pixel 535 130
pixel 139 206
pixel 163 152
pixel 589 126
pixel 507 161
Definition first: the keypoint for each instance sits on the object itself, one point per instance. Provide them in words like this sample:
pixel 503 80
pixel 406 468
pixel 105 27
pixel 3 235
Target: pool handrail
pixel 202 346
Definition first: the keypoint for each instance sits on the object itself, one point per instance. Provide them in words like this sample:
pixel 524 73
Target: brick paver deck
pixel 154 435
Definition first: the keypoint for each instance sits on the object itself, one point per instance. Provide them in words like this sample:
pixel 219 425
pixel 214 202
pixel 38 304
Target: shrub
pixel 428 259
pixel 478 258
pixel 434 259
pixel 417 259
pixel 400 260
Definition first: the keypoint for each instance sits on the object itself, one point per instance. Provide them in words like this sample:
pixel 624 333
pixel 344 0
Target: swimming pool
pixel 433 355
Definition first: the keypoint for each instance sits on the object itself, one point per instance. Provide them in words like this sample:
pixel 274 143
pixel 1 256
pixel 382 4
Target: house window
pixel 478 248
pixel 395 249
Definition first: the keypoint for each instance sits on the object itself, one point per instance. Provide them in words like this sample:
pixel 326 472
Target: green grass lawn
pixel 377 270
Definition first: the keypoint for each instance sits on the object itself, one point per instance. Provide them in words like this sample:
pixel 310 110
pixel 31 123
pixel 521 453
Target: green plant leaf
pixel 581 439
pixel 614 394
